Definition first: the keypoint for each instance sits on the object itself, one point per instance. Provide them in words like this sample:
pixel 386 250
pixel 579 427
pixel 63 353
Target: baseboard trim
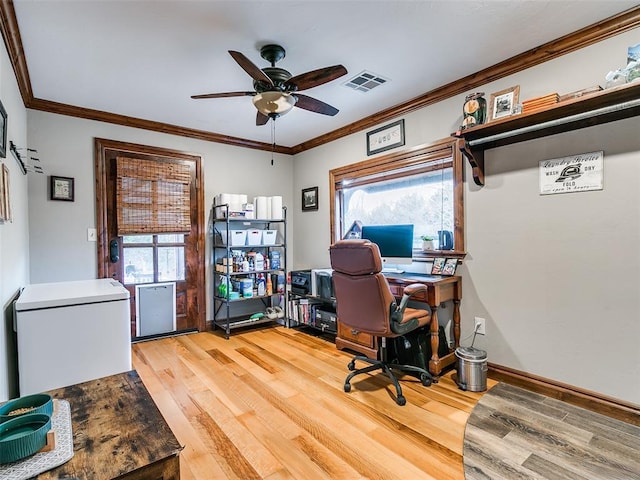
pixel 596 402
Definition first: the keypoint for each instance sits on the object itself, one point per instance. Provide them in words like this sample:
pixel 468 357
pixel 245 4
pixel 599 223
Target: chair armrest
pixel 408 292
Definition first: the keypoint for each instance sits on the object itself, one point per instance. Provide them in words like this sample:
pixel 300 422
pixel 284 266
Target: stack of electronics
pixel 313 300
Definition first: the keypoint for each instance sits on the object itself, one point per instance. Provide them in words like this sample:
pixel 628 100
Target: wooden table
pixel 118 433
pixel 440 289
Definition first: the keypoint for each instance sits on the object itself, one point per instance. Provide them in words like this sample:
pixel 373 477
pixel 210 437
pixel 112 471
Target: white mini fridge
pixel 71 332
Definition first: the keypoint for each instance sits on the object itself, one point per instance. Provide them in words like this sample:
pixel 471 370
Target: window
pixel 153 258
pixel 422 186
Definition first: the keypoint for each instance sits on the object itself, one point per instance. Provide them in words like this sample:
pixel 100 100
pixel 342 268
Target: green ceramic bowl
pixel 37 403
pixel 23 436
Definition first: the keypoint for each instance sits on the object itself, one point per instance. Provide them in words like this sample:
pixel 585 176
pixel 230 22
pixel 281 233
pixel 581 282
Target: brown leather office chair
pixel 365 303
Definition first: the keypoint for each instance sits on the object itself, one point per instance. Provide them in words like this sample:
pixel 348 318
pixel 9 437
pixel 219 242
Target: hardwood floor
pixel 269 403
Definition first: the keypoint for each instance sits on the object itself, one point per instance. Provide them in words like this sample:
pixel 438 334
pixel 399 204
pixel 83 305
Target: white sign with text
pixel 578 173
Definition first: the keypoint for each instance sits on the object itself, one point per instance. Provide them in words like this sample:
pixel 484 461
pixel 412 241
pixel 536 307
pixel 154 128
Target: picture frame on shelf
pixel 437 266
pixel 61 188
pixel 450 265
pixel 385 138
pixel 3 131
pixel 502 104
pixel 309 199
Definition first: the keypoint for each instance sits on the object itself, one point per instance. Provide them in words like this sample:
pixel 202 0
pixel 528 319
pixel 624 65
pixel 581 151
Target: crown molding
pixel 595 33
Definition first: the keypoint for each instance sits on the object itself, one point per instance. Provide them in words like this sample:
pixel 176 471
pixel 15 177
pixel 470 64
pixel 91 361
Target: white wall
pixel 59 248
pixel 556 277
pixel 14 236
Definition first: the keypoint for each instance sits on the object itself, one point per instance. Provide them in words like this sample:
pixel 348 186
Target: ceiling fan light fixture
pixel 278 103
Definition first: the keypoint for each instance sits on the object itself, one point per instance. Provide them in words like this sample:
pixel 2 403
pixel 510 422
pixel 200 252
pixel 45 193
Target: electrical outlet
pixel 478 326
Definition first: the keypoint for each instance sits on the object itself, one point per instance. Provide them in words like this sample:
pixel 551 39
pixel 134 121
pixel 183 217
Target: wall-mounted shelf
pixel 591 109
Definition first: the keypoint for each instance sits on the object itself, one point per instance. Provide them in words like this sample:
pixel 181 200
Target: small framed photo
pixel 61 188
pixel 438 265
pixel 450 265
pixel 3 131
pixel 385 138
pixel 503 103
pixel 310 199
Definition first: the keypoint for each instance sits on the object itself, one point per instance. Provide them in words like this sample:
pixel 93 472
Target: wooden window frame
pixel 410 159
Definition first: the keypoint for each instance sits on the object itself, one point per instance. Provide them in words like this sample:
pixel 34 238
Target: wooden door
pixel 139 259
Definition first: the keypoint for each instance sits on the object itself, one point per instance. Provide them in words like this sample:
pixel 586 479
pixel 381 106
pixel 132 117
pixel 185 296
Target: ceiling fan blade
pixel 314 105
pixel 261 119
pixel 224 95
pixel 317 77
pixel 249 67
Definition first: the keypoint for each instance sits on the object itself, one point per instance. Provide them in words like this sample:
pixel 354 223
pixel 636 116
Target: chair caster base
pixel 401 401
pixel 426 380
pixel 347 387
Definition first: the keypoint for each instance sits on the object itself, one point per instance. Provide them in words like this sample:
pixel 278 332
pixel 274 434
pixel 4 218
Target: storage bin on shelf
pixel 236 237
pixel 269 237
pixel 254 237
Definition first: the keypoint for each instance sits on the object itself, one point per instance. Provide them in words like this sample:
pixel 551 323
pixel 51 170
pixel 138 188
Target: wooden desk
pixel 118 433
pixel 440 289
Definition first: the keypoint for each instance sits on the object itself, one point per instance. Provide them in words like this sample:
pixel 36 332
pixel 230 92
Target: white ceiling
pixel 146 58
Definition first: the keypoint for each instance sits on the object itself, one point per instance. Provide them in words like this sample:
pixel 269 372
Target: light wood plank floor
pixel 269 403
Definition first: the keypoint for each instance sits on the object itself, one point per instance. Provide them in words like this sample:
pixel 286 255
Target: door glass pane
pixel 170 263
pixel 137 239
pixel 138 264
pixel 177 238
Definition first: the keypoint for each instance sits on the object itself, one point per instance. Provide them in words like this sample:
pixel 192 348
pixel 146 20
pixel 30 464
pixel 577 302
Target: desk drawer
pixel 352 335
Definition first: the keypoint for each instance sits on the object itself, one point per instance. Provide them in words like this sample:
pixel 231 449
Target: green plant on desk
pixel 428 242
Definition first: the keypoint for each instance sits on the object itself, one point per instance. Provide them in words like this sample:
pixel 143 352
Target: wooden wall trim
pixel 13 41
pixel 597 32
pixel 90 114
pixel 596 402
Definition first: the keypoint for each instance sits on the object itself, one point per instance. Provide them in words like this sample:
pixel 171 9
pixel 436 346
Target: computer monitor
pixel 394 241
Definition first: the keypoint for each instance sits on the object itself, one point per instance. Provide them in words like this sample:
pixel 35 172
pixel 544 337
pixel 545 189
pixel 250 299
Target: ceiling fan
pixel 276 90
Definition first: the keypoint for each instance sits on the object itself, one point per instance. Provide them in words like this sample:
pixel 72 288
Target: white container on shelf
pixel 254 237
pixel 236 237
pixel 269 237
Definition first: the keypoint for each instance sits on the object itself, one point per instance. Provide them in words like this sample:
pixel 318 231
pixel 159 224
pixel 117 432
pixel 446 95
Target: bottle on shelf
pixel 259 262
pixel 261 285
pixel 269 289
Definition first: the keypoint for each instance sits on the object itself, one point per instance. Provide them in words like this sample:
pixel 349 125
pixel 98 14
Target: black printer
pixel 301 282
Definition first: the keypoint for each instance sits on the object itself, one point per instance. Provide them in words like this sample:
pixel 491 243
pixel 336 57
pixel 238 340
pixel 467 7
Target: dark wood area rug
pixel 516 434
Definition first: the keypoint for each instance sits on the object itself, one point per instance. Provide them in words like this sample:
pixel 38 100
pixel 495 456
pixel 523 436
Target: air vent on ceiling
pixel 365 81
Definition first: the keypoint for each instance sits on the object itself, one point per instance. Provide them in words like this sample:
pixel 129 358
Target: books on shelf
pixel 580 93
pixel 540 102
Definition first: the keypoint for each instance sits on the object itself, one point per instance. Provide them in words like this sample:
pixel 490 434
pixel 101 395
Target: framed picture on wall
pixel 62 188
pixel 310 199
pixel 385 138
pixel 3 131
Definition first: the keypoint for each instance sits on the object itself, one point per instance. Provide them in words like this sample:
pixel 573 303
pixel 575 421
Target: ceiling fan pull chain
pixel 273 139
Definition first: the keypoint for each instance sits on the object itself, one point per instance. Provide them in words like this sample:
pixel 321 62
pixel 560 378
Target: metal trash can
pixel 472 369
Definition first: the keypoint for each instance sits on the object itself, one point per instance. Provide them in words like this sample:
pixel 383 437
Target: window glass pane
pixel 177 238
pixel 138 264
pixel 170 263
pixel 137 239
pixel 424 199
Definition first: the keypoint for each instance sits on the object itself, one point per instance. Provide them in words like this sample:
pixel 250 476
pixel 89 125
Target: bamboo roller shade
pixel 152 196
